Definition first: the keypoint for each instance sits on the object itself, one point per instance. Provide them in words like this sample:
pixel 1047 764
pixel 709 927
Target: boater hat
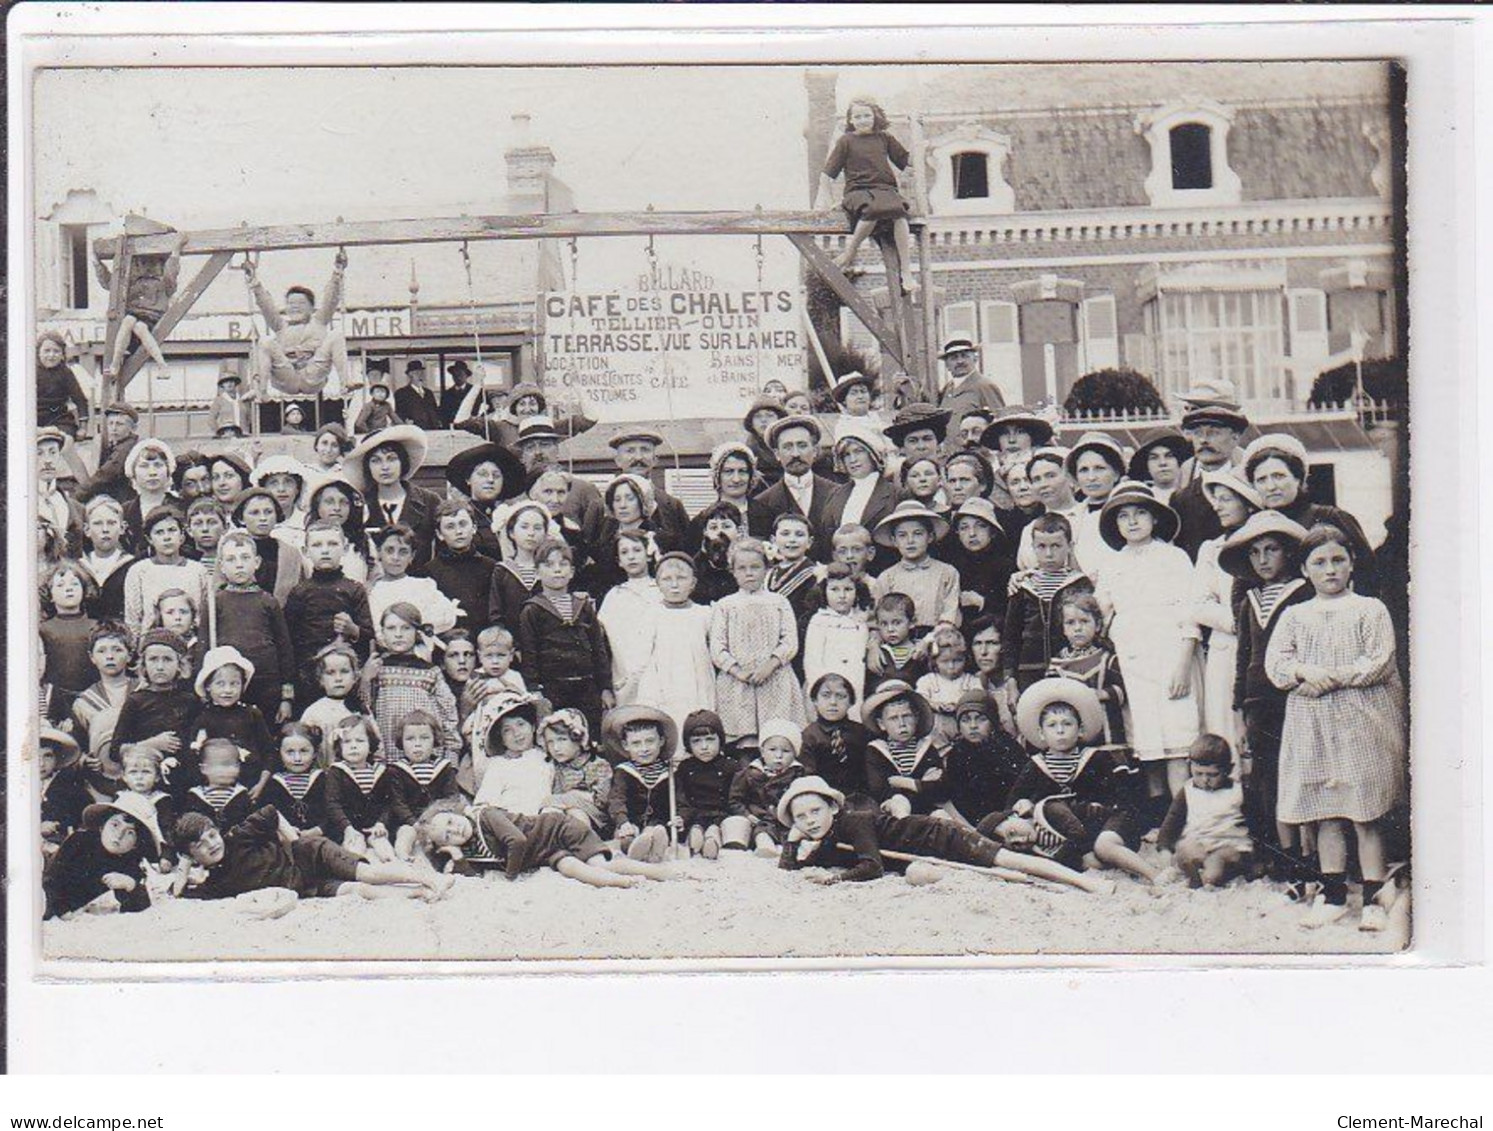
pixel 957 345
pixel 536 428
pixel 782 424
pixel 917 417
pixel 616 721
pixel 224 655
pixel 1129 493
pixel 909 508
pixel 847 381
pixel 890 692
pixel 463 463
pixel 1059 689
pixel 406 436
pixel 1233 559
pixel 813 785
pixel 1176 443
pixel 63 743
pixel 1213 402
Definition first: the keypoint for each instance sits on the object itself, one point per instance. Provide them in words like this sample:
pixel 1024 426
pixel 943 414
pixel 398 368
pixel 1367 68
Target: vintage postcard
pixel 840 511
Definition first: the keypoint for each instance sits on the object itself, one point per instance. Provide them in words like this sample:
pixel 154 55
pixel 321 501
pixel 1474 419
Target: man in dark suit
pixel 635 451
pixel 415 403
pixel 452 398
pixel 121 425
pixel 795 442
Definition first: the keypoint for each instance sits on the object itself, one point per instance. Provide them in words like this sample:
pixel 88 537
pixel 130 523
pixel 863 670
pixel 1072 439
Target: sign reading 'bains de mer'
pixel 656 353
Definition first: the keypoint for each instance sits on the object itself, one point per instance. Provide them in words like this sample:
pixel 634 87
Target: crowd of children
pixel 885 643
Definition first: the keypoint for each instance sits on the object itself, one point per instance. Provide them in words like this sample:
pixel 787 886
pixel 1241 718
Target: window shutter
pixel 1000 343
pixel 1101 336
pixel 959 321
pixel 1307 310
pixel 51 266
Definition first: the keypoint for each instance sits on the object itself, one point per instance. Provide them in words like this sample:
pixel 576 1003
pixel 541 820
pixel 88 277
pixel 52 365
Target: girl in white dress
pixel 677 675
pixel 625 610
pixel 1145 590
pixel 1233 500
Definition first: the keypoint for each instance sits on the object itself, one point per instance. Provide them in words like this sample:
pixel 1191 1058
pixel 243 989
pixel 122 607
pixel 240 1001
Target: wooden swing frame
pixel 907 338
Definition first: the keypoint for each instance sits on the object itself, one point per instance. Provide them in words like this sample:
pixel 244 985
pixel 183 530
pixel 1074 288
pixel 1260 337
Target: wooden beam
pixel 178 309
pixel 846 292
pixel 455 229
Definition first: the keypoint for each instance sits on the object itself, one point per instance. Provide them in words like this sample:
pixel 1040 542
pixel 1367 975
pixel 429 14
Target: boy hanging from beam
pixel 302 349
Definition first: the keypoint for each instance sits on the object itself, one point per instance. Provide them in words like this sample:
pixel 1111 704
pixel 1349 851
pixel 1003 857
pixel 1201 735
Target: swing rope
pixel 251 371
pixel 652 254
pixel 466 260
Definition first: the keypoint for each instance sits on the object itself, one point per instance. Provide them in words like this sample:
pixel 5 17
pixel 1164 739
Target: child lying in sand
pixel 484 838
pixel 266 851
pixel 826 836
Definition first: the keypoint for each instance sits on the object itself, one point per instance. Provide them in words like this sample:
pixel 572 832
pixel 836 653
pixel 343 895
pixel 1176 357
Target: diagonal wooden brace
pixel 845 290
pixel 174 314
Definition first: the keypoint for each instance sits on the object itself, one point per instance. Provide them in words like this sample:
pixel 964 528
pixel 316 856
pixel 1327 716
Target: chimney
pixel 820 121
pixel 529 168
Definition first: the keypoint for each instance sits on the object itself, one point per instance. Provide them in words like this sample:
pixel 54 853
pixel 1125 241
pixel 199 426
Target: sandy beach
pixel 739 906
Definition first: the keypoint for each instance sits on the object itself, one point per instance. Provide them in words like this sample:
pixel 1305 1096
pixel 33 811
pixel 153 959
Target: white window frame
pixel 1099 351
pixel 1191 347
pixel 1156 127
pixel 1307 344
pixel 1001 359
pixel 1000 198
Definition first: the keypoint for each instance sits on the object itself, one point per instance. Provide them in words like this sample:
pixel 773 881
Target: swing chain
pixel 466 259
pixel 575 262
pixel 652 260
pixel 760 258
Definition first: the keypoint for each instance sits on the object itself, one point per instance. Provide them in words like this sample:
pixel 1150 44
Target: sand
pixel 737 907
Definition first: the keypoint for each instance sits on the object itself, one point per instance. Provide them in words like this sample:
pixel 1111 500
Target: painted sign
pixel 379 323
pixel 677 344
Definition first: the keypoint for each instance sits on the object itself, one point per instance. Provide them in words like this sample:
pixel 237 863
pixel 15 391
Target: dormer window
pixel 971 172
pixel 1189 155
pixel 966 173
pixel 1192 156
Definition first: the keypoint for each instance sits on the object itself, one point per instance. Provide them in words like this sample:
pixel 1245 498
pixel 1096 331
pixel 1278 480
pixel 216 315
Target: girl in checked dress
pixel 1342 759
pixel 753 639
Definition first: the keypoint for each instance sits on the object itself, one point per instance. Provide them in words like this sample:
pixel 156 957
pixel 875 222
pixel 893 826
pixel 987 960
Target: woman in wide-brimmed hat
pixel 105 857
pixel 487 474
pixel 382 466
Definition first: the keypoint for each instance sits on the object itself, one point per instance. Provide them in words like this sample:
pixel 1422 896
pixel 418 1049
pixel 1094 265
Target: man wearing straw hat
pixel 1214 422
pixel 969 389
pixel 635 452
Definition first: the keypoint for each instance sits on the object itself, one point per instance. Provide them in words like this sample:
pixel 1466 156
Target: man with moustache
pixel 795 442
pixel 539 451
pixel 635 452
pixel 1214 423
pixel 969 390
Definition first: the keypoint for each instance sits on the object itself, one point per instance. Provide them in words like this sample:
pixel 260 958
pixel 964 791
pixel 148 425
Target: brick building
pixel 1186 220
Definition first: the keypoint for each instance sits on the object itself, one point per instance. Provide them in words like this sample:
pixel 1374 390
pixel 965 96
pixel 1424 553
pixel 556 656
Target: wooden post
pixel 927 323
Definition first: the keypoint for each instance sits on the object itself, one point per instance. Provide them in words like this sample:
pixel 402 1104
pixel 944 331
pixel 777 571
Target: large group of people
pixel 940 636
pixel 936 634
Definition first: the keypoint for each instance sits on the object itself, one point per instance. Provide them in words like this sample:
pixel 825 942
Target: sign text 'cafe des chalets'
pixel 677 343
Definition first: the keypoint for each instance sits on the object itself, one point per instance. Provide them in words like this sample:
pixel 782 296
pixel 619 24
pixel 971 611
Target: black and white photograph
pixel 951 510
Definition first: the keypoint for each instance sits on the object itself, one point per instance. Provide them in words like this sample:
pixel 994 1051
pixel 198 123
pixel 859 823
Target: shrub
pixel 1384 379
pixel 1114 390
